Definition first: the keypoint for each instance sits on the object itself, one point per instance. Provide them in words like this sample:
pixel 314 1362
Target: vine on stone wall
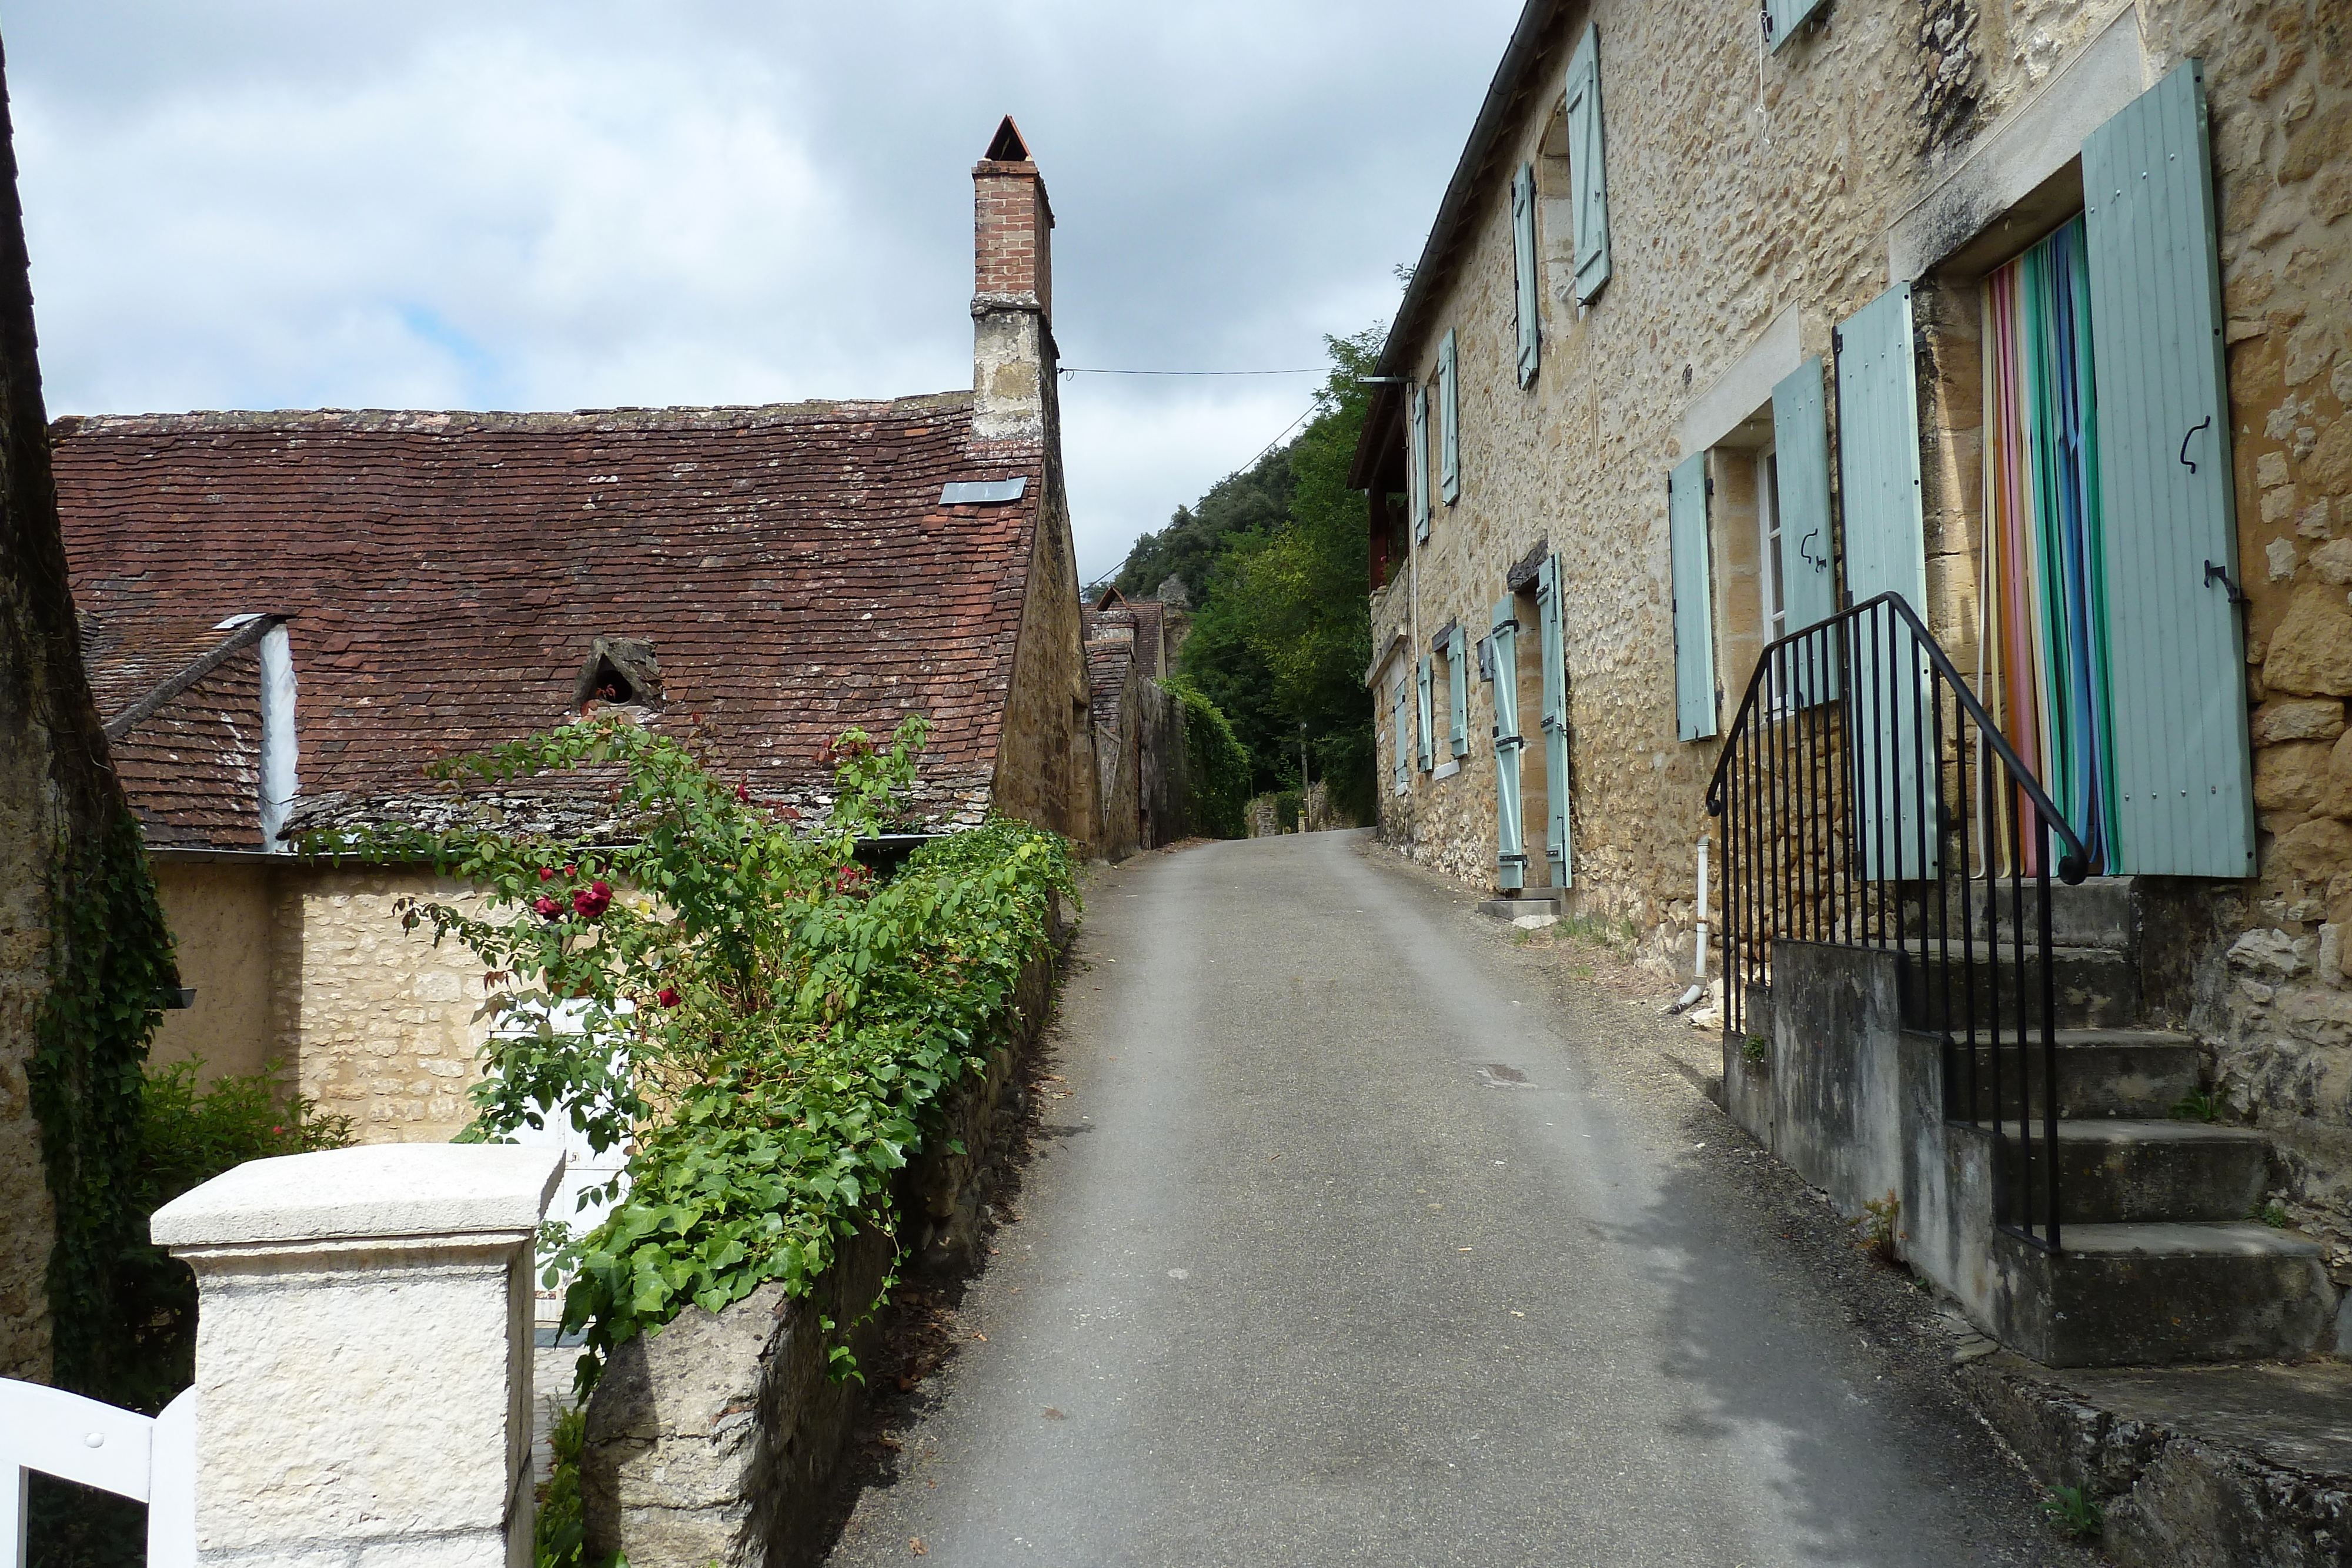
pixel 1217 764
pixel 109 958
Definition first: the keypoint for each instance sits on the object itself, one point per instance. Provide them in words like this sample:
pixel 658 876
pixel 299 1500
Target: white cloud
pixel 269 204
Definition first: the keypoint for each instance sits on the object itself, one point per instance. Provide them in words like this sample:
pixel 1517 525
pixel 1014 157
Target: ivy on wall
pixel 109 958
pixel 1217 764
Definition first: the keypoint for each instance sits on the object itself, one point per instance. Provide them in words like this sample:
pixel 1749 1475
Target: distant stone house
pixel 1729 322
pixel 288 614
pixel 1139 727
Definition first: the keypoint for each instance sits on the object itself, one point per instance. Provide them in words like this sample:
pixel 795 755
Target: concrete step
pixel 2099 912
pixel 2146 1294
pixel 2097 988
pixel 1529 901
pixel 2101 1072
pixel 2129 1172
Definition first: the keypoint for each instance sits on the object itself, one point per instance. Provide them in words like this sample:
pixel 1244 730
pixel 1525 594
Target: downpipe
pixel 1698 964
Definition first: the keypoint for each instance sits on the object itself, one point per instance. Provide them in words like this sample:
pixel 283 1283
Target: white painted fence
pixel 363 1362
pixel 149 1459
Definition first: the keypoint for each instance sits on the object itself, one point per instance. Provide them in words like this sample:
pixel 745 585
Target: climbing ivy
pixel 733 997
pixel 1218 765
pixel 109 960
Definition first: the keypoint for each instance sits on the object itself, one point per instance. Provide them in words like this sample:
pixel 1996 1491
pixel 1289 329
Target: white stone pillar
pixel 363 1355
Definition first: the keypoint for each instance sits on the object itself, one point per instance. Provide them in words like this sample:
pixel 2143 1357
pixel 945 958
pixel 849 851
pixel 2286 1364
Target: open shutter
pixel 1878 452
pixel 1457 693
pixel 1783 17
pixel 1421 733
pixel 1449 419
pixel 1403 714
pixel 1554 653
pixel 1694 602
pixel 1522 260
pixel 2184 794
pixel 1510 848
pixel 1801 446
pixel 1588 167
pixel 1420 464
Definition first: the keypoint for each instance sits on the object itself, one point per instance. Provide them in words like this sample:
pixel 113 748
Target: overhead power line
pixel 1092 371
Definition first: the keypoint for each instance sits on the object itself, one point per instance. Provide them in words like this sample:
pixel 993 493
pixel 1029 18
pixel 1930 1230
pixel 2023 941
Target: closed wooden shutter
pixel 1510 850
pixel 1399 712
pixel 1553 641
pixel 1529 294
pixel 1800 445
pixel 1419 457
pixel 1694 599
pixel 1457 691
pixel 1588 167
pixel 2184 793
pixel 1449 417
pixel 1783 17
pixel 1878 455
pixel 1424 732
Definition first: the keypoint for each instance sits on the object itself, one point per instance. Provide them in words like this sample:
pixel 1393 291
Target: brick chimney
pixel 1012 291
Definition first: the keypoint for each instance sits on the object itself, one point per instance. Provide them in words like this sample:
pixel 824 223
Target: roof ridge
pixel 454 420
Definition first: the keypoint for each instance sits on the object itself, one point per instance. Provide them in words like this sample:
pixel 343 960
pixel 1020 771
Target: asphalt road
pixel 1359 1238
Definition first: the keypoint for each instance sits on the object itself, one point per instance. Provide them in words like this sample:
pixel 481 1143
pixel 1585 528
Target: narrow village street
pixel 1365 1234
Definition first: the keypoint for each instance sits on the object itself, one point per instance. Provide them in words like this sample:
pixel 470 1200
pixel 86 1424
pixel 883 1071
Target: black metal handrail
pixel 1849 818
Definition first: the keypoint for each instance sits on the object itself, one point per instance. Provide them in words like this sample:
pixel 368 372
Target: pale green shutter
pixel 1588 167
pixel 1879 439
pixel 1510 849
pixel 1420 459
pixel 1879 451
pixel 2184 797
pixel 1783 17
pixel 1404 710
pixel 1800 444
pixel 1457 683
pixel 1554 653
pixel 1694 601
pixel 1449 416
pixel 1422 734
pixel 1523 259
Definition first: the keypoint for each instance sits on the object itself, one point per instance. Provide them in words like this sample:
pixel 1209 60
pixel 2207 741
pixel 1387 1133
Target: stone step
pixel 2145 1294
pixel 2128 1172
pixel 2101 1072
pixel 2098 911
pixel 2096 988
pixel 1529 901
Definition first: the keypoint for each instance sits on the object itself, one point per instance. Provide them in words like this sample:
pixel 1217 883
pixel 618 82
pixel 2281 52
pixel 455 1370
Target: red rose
pixel 744 793
pixel 591 900
pixel 546 907
pixel 571 871
pixel 546 874
pixel 666 996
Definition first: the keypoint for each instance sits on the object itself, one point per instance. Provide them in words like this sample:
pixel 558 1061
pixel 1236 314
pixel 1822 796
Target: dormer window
pixel 619 671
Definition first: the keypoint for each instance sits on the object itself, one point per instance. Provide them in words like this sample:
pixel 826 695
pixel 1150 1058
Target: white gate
pixel 152 1459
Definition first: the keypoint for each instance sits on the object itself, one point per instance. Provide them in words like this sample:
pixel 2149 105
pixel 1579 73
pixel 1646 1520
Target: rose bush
pixel 766 1028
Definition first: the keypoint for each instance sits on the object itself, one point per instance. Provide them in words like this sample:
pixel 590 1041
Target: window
pixel 1449 417
pixel 1768 528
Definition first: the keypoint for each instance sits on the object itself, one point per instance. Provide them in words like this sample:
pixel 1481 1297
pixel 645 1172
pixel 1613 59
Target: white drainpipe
pixel 1698 965
pixel 278 750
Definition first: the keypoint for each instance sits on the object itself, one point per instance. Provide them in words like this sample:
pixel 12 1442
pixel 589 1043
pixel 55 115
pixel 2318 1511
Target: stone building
pixel 1727 322
pixel 288 614
pixel 1139 725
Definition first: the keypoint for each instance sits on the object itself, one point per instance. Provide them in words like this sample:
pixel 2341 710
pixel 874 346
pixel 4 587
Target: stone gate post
pixel 363 1353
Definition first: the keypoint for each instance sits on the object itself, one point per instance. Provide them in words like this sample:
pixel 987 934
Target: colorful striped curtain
pixel 2043 648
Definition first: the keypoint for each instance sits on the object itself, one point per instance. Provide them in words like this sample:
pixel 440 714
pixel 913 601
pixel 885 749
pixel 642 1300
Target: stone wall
pixel 717 1439
pixel 1744 184
pixel 378 1022
pixel 220 913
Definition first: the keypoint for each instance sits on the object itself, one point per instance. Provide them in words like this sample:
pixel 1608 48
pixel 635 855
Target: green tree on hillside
pixel 1281 629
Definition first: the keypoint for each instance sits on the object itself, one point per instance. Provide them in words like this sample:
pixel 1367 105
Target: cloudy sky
pixel 274 204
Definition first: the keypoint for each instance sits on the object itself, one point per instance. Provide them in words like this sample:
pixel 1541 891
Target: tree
pixel 1283 629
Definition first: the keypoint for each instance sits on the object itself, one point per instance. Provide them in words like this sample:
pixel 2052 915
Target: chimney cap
pixel 1008 147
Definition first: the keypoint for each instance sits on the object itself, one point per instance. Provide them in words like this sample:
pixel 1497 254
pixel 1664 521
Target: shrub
pixel 738 999
pixel 1216 763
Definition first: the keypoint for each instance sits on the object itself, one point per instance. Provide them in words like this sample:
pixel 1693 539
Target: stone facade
pixel 1757 197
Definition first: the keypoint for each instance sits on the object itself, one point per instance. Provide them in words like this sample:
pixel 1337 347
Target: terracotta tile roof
pixel 448 573
pixel 192 768
pixel 1108 664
